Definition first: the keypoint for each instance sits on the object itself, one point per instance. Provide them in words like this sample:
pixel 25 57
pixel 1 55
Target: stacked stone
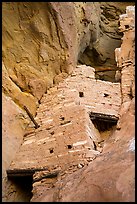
pixel 66 136
pixel 125 56
pixel 98 96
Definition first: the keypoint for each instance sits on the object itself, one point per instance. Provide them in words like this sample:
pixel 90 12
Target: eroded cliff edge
pixel 42 43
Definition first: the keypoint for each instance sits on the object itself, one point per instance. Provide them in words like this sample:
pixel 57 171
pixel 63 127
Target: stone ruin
pixel 125 55
pixel 76 116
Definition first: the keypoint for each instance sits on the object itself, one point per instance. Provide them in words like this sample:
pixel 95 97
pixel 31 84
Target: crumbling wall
pixel 66 139
pixel 125 55
pixel 65 127
pixel 111 176
pixel 40 44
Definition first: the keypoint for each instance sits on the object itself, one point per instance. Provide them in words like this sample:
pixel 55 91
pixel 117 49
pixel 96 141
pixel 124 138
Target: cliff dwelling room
pixel 68 101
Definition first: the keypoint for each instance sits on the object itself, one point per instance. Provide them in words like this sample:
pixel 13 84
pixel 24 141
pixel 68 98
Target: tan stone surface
pixel 38 45
pixel 40 48
pixel 108 178
pixel 111 176
pixel 125 55
pixel 14 122
pixel 65 125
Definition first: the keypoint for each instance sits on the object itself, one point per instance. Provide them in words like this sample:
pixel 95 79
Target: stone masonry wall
pixel 65 109
pixel 111 176
pixel 66 136
pixel 125 55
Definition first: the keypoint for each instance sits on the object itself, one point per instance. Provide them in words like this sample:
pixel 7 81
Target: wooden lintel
pixel 103 117
pixel 23 172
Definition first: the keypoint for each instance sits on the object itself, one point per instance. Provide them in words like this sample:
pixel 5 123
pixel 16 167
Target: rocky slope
pixel 41 45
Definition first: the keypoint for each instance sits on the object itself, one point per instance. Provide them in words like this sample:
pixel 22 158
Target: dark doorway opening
pixel 22 186
pixel 105 124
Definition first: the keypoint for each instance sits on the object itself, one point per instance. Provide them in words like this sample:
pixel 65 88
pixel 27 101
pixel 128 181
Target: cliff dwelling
pixel 68 101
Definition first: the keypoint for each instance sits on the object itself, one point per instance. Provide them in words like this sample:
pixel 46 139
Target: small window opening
pixel 51 151
pixel 52 133
pixel 81 94
pixel 62 118
pixel 69 146
pixel 105 94
pixel 126 26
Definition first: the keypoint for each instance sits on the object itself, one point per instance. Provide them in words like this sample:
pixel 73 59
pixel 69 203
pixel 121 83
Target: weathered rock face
pixel 46 39
pixel 14 121
pixel 41 44
pixel 105 37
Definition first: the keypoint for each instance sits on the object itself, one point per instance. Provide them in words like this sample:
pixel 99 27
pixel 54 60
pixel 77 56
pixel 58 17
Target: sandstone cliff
pixel 42 42
pixel 48 39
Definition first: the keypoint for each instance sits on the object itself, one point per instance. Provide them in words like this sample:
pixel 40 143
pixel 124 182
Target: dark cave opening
pixel 22 187
pixel 90 57
pixel 103 70
pixel 105 66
